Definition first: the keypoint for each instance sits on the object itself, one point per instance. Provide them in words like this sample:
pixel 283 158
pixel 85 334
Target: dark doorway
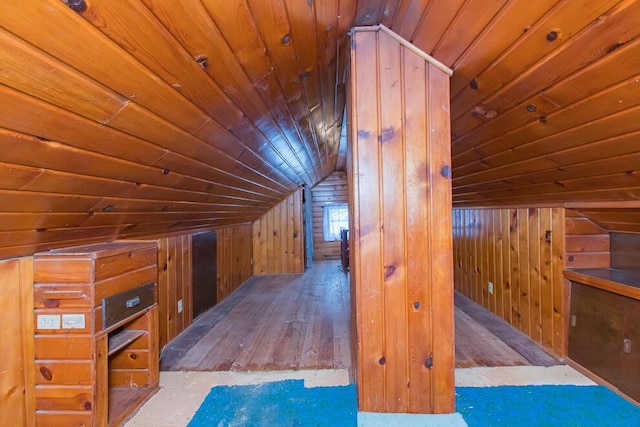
pixel 205 273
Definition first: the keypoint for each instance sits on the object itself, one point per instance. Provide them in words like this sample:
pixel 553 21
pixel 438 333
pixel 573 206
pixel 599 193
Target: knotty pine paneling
pixel 17 369
pixel 170 118
pixel 400 233
pixel 235 252
pixel 544 114
pixel 615 218
pixel 522 252
pixel 168 109
pixel 278 245
pixel 587 244
pixel 333 189
pixel 174 284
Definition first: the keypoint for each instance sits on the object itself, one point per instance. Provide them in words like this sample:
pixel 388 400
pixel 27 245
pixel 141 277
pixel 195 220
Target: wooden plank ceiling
pixel 139 117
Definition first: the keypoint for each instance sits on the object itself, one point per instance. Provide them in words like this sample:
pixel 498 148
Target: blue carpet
pixel 289 403
pixel 282 403
pixel 548 405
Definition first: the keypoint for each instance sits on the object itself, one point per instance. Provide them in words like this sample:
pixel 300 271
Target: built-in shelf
pixel 121 339
pixel 619 282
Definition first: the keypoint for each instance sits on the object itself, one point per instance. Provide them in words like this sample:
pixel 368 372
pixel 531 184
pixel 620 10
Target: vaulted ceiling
pixel 133 117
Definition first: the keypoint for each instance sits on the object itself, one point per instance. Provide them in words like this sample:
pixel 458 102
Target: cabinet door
pixel 630 353
pixel 595 335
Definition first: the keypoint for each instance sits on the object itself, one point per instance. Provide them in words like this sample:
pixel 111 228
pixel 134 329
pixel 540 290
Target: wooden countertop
pixel 617 281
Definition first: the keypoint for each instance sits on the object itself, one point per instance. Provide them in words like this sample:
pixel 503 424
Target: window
pixel 336 217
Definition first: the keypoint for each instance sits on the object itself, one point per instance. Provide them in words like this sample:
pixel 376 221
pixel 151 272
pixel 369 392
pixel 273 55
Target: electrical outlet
pixel 73 321
pixel 48 321
pixel 179 306
pixel 490 288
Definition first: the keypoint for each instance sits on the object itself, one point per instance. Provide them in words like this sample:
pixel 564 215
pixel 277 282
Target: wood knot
pixel 428 363
pixel 484 112
pixel 473 84
pixel 87 406
pixel 76 5
pixel 52 303
pixel 416 305
pixel 388 271
pixel 382 360
pixel 202 61
pixel 552 36
pixel 445 171
pixel 364 134
pixel 386 135
pixel 46 373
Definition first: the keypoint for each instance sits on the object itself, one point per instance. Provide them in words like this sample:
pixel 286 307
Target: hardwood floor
pixel 275 322
pixel 484 339
pixel 295 322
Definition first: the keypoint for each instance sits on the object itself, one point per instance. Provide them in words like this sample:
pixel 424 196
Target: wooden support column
pixel 401 245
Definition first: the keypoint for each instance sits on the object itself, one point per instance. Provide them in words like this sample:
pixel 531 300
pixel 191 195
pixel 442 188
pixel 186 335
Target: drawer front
pixel 117 265
pixel 125 304
pixel 125 282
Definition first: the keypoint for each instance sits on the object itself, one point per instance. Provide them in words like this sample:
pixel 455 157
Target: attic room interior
pixel 163 165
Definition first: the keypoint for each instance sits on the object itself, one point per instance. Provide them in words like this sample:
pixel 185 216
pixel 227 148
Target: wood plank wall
pixel 587 244
pixel 17 369
pixel 401 253
pixel 332 189
pixel 278 245
pixel 521 252
pixel 235 251
pixel 174 284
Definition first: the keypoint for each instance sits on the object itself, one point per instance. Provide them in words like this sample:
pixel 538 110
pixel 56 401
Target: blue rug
pixel 547 405
pixel 281 403
pixel 289 403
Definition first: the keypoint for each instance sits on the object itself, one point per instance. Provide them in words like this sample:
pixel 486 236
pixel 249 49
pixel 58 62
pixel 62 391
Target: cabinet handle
pixel 574 320
pixel 626 345
pixel 132 302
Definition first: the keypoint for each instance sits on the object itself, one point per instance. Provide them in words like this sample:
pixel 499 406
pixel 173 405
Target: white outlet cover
pixel 73 321
pixel 490 288
pixel 48 321
pixel 179 306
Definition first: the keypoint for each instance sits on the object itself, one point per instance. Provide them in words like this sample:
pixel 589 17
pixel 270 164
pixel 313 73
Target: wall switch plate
pixel 73 321
pixel 490 288
pixel 179 306
pixel 48 321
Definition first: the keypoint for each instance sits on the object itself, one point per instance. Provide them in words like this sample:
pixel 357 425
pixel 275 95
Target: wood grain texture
pixel 204 121
pixel 278 245
pixel 521 252
pixel 111 372
pixel 332 189
pixel 400 242
pixel 235 254
pixel 484 339
pixel 17 380
pixel 176 92
pixel 174 284
pixel 587 244
pixel 274 322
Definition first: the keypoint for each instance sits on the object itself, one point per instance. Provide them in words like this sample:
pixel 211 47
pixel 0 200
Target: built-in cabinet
pixel 96 334
pixel 604 331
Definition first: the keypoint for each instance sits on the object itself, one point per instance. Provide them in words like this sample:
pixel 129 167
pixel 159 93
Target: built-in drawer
pixel 121 306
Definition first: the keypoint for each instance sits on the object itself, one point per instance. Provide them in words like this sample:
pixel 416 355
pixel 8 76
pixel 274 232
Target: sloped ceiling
pixel 136 117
